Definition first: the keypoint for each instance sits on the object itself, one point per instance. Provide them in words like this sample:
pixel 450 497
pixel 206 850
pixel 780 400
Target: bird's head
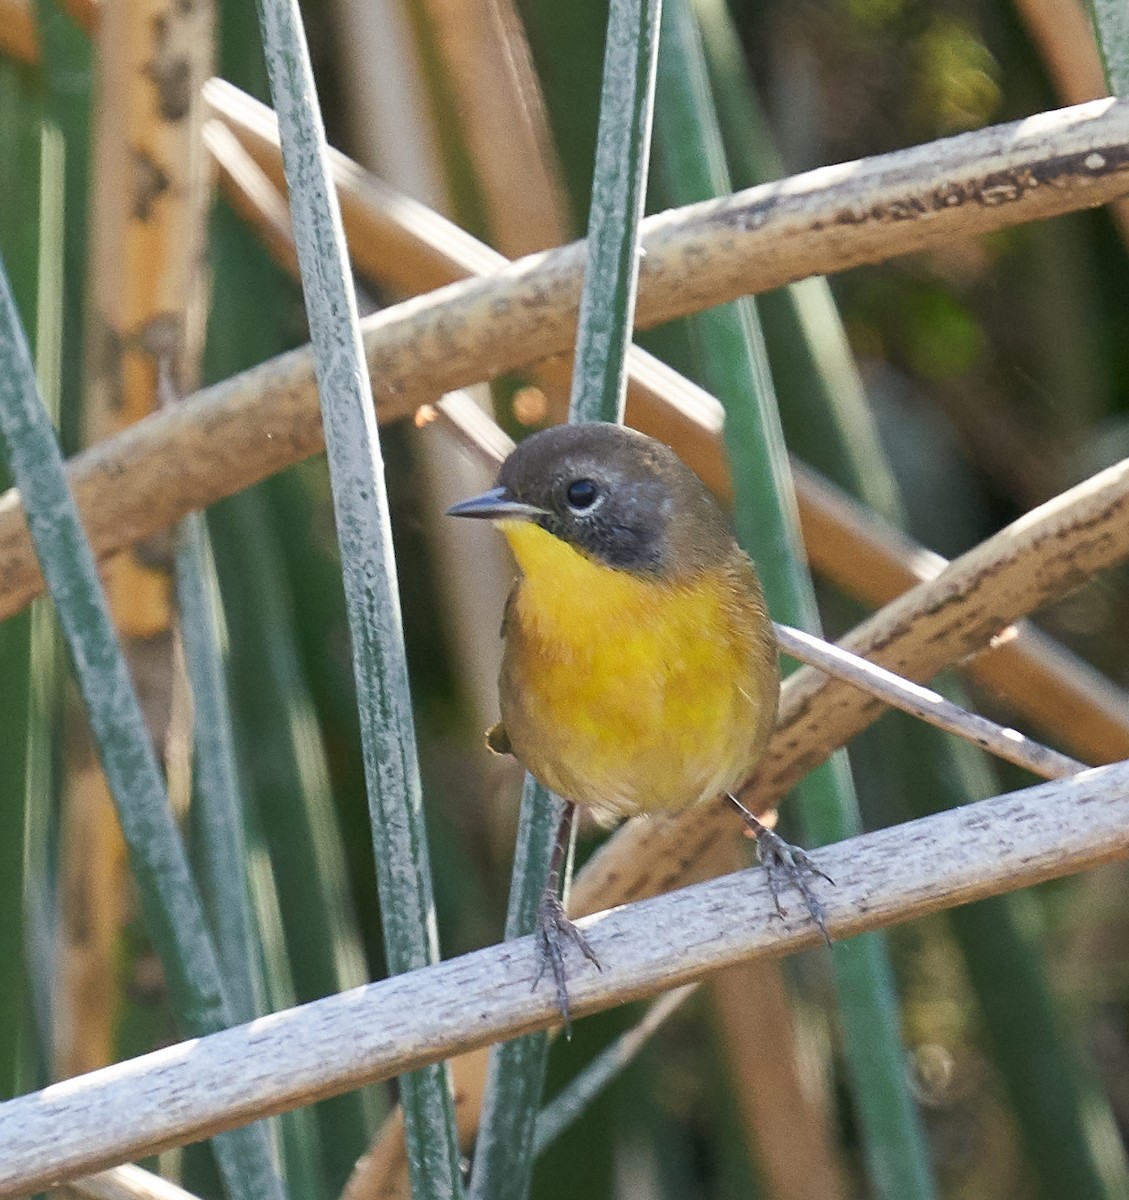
pixel 617 496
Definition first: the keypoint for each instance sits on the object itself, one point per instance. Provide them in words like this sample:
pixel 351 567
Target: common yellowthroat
pixel 640 667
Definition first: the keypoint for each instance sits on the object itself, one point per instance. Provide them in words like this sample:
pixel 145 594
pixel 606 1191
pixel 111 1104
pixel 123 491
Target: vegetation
pixel 936 338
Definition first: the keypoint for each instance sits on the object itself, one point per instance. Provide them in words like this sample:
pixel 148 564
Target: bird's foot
pixel 554 932
pixel 785 865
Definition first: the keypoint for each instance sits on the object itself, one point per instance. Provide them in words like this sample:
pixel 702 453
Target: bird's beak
pixel 496 505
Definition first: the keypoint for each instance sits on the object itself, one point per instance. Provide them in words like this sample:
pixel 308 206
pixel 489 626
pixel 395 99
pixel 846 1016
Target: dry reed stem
pixel 147 237
pixel 1065 698
pixel 402 245
pixel 926 705
pixel 501 113
pixel 92 889
pixel 127 1183
pixel 394 239
pixel 1064 37
pixel 252 193
pixel 193 1089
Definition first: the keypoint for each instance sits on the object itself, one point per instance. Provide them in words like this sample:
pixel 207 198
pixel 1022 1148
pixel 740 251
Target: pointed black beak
pixel 494 505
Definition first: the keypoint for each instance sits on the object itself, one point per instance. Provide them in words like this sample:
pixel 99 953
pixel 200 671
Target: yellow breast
pixel 627 693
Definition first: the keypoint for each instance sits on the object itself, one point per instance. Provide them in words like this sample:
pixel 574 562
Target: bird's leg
pixel 785 864
pixel 554 929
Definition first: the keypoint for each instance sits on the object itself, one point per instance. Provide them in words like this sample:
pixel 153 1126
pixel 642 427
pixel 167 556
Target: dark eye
pixel 581 494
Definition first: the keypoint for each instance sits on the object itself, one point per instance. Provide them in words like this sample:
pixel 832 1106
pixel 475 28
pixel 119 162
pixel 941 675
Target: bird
pixel 640 670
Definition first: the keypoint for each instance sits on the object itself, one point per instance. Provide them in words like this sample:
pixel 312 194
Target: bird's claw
pixel 785 865
pixel 554 931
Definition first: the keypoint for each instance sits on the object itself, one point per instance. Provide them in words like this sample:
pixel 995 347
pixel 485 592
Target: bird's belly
pixel 654 714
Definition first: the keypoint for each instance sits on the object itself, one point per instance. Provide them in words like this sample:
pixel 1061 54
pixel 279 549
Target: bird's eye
pixel 581 494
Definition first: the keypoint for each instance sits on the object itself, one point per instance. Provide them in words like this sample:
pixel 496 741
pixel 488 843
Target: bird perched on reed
pixel 640 668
